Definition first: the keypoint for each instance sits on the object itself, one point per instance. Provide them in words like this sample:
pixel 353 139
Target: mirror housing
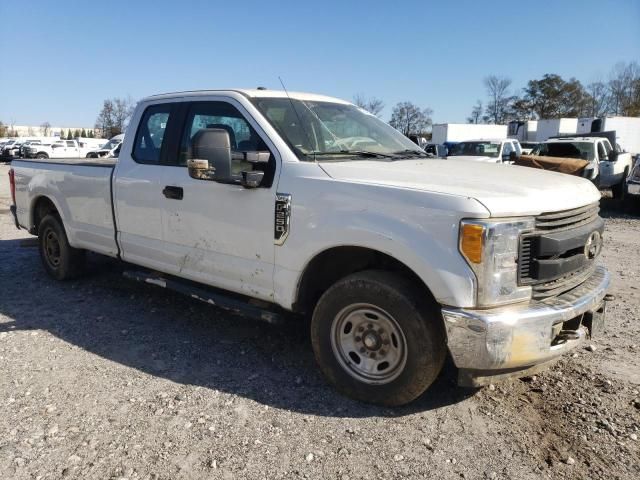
pixel 212 160
pixel 211 153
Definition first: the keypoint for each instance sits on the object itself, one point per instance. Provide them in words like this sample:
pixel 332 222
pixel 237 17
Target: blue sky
pixel 60 59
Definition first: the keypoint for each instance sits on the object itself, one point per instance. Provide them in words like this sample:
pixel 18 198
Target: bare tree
pixel 410 119
pixel 622 85
pixel 499 99
pixel 114 116
pixel 45 128
pixel 372 105
pixel 598 98
pixel 476 113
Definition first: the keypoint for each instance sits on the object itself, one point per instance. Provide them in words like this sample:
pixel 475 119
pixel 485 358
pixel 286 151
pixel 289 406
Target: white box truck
pixel 554 127
pixel 627 130
pixel 458 132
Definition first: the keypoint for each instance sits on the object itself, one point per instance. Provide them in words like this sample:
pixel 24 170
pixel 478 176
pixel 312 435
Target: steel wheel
pixel 369 344
pixel 52 248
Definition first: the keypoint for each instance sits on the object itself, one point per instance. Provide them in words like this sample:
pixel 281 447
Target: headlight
pixel 491 250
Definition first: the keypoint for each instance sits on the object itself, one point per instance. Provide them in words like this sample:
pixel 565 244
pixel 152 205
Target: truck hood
pixel 505 190
pixel 474 158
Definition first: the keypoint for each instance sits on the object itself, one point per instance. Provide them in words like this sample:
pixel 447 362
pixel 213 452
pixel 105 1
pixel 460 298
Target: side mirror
pixel 212 160
pixel 513 156
pixel 211 152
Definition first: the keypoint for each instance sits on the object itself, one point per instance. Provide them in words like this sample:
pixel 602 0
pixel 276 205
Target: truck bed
pixel 79 188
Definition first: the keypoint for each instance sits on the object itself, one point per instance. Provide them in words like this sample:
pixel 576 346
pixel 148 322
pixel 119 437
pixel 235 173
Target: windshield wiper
pixel 361 153
pixel 409 152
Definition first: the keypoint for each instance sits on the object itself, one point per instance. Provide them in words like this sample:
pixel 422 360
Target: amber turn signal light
pixel 471 242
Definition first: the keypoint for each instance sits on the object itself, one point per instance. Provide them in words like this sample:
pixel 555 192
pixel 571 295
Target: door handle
pixel 175 193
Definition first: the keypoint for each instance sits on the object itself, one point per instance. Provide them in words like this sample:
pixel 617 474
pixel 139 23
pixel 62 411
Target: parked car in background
pixel 632 189
pixel 436 150
pixel 108 148
pixel 608 167
pixel 491 151
pixel 296 202
pixel 56 149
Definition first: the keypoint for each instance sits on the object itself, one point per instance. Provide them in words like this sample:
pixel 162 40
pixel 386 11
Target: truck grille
pixel 551 222
pixel 552 258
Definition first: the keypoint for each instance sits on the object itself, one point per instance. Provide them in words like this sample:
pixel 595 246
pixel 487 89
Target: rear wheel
pixel 60 260
pixel 42 155
pixel 377 338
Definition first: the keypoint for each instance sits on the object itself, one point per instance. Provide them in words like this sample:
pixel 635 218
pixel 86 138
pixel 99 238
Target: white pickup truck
pixel 608 167
pixel 272 203
pixel 491 151
pixel 56 149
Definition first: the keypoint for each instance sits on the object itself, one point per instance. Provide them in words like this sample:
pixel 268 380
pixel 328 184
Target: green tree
pixel 554 97
pixel 62 134
pixel 3 130
pixel 70 135
pixel 83 133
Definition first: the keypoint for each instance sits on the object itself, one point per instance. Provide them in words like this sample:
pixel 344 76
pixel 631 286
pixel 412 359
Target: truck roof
pixel 251 93
pixel 576 138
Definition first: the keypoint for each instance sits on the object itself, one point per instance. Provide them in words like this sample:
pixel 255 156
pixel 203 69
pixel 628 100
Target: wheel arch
pixel 334 263
pixel 41 206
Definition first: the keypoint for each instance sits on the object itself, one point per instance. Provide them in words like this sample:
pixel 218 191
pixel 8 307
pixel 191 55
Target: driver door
pixel 216 233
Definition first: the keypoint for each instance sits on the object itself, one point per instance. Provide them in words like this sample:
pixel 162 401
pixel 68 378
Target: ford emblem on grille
pixel 593 245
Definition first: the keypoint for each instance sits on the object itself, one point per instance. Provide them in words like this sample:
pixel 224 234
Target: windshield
pixel 334 130
pixel 581 150
pixel 110 144
pixel 476 149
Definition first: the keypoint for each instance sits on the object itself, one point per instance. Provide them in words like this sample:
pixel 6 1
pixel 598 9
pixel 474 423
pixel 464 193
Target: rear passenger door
pixel 215 233
pixel 138 189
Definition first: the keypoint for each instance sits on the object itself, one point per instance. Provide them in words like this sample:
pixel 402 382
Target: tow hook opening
pixel 566 331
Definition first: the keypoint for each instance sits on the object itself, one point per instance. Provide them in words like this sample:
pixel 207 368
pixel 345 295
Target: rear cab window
pixel 149 142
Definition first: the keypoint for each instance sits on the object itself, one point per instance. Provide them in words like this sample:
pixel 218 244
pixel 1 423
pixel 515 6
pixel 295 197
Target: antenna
pixel 297 115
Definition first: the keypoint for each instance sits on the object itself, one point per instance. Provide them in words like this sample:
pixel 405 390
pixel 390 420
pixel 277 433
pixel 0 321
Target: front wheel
pixel 377 338
pixel 60 260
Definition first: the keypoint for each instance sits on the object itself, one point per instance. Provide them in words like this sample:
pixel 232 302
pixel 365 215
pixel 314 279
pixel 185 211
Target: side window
pixel 242 136
pixel 70 143
pixel 601 152
pixel 151 133
pixel 507 149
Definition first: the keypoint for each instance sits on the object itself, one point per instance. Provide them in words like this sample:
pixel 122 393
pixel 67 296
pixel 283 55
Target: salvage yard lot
pixel 106 378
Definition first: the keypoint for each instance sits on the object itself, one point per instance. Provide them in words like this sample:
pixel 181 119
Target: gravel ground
pixel 106 378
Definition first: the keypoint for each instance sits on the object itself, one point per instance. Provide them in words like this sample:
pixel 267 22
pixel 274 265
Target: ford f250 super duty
pixel 272 203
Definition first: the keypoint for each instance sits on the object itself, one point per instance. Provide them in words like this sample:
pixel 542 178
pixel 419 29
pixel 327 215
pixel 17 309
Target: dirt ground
pixel 103 378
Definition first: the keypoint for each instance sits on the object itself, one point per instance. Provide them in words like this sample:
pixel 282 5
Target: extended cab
pixel 608 167
pixel 274 203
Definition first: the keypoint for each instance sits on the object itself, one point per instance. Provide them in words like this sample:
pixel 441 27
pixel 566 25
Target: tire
pixel 42 155
pixel 619 189
pixel 92 155
pixel 379 320
pixel 60 260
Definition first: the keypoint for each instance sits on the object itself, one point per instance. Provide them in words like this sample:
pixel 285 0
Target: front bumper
pixel 633 188
pixel 505 341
